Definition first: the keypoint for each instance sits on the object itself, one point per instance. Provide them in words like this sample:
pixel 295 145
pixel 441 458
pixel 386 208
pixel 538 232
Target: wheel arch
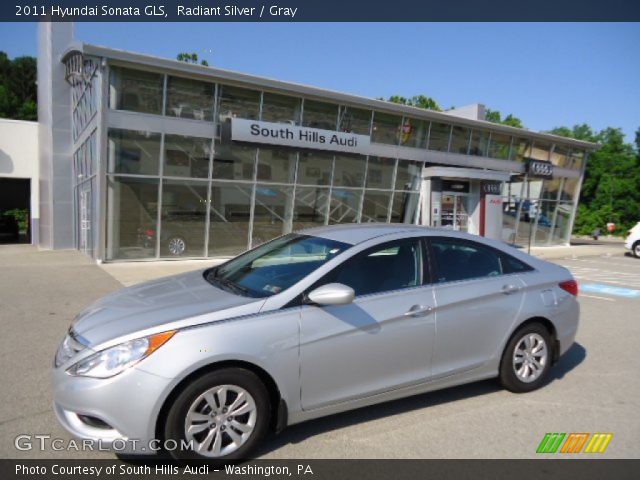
pixel 278 406
pixel 546 323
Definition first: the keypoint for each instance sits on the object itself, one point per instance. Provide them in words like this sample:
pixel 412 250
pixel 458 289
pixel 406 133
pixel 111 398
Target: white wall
pixel 19 159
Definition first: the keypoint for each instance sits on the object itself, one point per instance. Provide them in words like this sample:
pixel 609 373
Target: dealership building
pixel 145 158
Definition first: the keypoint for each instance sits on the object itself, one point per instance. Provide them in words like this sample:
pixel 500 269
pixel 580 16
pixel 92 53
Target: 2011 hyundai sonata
pixel 307 325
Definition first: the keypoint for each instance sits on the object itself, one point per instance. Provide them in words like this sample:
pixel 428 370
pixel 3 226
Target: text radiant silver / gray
pixel 307 325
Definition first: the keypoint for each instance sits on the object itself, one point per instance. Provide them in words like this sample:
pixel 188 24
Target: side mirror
pixel 332 294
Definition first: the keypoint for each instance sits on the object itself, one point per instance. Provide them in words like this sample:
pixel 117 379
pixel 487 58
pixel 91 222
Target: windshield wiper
pixel 231 285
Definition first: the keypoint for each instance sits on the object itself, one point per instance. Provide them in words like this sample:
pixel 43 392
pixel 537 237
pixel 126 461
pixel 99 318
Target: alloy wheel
pixel 530 357
pixel 220 420
pixel 177 246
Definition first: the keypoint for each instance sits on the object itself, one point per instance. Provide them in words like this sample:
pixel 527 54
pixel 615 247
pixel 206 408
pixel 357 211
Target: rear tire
pixel 526 359
pixel 635 249
pixel 226 412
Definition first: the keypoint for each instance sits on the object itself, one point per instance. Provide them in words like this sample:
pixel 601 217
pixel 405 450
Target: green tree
pixel 191 58
pixel 418 101
pixel 18 90
pixel 611 186
pixel 494 116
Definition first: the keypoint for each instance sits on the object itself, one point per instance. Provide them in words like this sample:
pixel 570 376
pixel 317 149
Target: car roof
pixel 354 233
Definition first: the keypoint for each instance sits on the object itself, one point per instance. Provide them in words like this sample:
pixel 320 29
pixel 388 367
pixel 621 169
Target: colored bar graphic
pixel 550 443
pixel 574 442
pixel 598 443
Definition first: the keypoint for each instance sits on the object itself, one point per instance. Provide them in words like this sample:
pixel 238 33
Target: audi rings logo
pixel 540 169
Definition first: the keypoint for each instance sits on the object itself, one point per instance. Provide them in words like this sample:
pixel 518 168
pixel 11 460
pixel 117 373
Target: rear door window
pixel 457 259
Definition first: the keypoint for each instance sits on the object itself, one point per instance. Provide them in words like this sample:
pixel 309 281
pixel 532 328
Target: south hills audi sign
pixel 284 134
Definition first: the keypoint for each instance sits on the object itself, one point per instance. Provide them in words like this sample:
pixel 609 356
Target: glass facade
pixel 170 195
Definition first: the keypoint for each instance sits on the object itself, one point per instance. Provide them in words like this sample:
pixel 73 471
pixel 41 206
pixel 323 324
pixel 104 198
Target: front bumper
pixel 628 243
pixel 121 410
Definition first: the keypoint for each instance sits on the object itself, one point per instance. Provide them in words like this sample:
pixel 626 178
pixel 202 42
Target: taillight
pixel 570 286
pixel 148 232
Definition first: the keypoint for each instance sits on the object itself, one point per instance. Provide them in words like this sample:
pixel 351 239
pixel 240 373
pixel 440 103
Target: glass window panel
pixel 238 102
pixel 404 207
pixel 276 165
pixel 521 149
pixel 479 143
pixel 315 168
pixel 408 175
pixel 499 146
pixel 543 213
pixel 320 115
pixel 182 227
pixel 186 156
pixel 540 151
pixel 577 157
pixel 355 120
pixel 344 206
pixel 229 218
pixel 386 128
pixel 133 152
pixel 561 234
pixel 380 172
pixel 414 133
pixel 281 109
pixel 439 137
pixel 458 259
pixel 550 189
pixel 233 162
pixel 460 140
pixel 310 208
pixel 135 90
pixel 349 170
pixel 187 98
pixel 273 212
pixel 569 187
pixel 375 206
pixel 131 226
pixel 560 156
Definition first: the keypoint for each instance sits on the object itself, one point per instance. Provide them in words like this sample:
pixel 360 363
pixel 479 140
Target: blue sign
pixel 609 290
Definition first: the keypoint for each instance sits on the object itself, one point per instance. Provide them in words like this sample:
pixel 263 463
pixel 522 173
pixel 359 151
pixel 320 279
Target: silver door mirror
pixel 332 294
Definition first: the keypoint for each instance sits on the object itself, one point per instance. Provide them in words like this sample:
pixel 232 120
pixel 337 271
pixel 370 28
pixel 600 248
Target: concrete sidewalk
pixel 131 273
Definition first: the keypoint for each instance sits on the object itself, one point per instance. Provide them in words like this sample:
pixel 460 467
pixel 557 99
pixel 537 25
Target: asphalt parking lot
pixel 594 388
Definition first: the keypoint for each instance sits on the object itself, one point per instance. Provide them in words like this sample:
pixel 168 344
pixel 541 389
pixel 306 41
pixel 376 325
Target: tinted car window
pixel 512 265
pixel 386 267
pixel 275 266
pixel 461 260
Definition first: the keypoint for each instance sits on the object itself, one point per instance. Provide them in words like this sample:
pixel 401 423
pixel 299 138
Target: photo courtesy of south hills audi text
pixel 156 11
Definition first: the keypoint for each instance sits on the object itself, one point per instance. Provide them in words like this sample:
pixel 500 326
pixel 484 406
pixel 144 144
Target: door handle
pixel 509 289
pixel 418 311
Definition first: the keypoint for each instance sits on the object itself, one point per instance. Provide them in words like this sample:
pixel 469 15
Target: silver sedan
pixel 307 325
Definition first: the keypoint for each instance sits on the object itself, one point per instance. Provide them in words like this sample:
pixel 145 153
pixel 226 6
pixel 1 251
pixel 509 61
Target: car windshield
pixel 275 266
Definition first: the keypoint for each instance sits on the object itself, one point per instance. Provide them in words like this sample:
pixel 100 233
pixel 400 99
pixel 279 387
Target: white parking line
pixel 599 298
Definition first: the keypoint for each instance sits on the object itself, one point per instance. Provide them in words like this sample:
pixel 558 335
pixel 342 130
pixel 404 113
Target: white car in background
pixel 633 240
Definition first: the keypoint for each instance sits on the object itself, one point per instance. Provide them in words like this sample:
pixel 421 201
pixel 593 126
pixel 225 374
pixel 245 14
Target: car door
pixel 476 303
pixel 382 340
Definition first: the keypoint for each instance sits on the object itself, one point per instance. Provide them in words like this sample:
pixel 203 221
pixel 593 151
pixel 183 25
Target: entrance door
pixel 85 239
pixel 454 212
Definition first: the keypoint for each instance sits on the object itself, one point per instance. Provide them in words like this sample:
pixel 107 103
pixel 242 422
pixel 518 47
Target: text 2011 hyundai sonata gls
pixel 307 325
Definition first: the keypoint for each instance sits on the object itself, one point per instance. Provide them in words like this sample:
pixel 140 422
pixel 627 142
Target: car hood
pixel 171 302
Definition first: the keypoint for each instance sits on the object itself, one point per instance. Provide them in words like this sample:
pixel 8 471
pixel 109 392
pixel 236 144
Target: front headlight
pixel 114 360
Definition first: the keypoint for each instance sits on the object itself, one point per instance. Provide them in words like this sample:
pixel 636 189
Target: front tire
pixel 224 414
pixel 527 359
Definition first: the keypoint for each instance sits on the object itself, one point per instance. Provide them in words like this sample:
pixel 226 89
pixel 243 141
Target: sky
pixel 547 74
